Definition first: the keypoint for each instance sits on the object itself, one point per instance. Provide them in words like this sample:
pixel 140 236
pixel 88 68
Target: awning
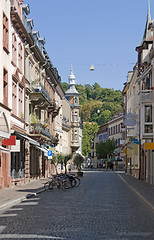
pixel 45 150
pixel 4 127
pixel 42 149
pixel 32 141
pixel 4 150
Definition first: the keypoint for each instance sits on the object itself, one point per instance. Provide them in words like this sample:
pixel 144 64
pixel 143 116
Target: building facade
pixel 5 91
pixel 140 105
pixel 31 115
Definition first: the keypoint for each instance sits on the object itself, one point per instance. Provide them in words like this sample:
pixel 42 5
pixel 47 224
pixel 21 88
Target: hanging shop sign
pixel 10 141
pixel 149 146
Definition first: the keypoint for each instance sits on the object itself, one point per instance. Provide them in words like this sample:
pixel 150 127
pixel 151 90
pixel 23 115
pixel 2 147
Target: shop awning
pixel 32 141
pixel 43 150
pixel 4 127
pixel 4 150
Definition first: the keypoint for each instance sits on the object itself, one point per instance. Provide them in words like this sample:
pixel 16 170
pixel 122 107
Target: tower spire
pixel 147 33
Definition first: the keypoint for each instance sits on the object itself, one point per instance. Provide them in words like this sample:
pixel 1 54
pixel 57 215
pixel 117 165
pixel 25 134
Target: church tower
pixel 145 44
pixel 72 95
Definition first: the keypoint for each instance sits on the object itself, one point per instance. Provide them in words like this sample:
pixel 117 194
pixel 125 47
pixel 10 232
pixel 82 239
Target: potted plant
pixel 78 160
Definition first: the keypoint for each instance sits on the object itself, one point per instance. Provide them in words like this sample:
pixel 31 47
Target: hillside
pixel 97 104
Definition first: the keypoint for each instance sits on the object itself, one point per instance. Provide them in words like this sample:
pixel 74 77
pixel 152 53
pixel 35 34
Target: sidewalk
pixel 15 194
pixel 144 190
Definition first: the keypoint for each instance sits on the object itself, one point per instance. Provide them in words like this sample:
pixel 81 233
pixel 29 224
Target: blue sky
pixel 104 33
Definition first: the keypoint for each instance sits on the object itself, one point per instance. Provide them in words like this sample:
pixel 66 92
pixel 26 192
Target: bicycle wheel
pixel 48 186
pixel 77 181
pixel 66 185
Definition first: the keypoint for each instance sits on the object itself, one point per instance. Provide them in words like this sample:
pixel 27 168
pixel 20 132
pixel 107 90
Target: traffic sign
pixel 49 153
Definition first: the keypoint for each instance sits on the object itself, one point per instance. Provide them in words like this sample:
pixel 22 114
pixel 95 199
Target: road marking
pixel 15 209
pixel 26 236
pixel 8 215
pixel 2 228
pixel 138 194
pixel 28 203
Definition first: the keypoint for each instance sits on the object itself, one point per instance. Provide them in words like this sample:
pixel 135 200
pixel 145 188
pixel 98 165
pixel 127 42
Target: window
pixel 148 128
pixel 75 100
pixel 14 97
pixel 20 101
pixel 148 113
pixel 20 56
pixel 75 117
pixel 147 83
pixel 14 48
pixel 76 136
pixel 5 87
pixel 5 33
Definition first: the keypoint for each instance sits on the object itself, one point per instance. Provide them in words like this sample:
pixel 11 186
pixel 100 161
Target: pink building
pixel 5 89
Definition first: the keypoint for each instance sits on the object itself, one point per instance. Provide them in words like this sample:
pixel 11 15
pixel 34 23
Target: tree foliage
pixel 88 131
pixel 106 149
pixel 78 160
pixel 97 104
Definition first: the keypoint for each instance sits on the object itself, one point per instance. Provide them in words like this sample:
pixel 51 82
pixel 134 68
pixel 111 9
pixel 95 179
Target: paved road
pixel 102 207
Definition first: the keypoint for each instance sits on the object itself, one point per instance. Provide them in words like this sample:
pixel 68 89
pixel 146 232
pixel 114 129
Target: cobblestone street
pixel 102 207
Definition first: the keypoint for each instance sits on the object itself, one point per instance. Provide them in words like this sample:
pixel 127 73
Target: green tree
pixel 56 159
pixel 89 129
pixel 88 108
pixel 104 117
pixel 105 149
pixel 83 96
pixel 66 159
pixel 78 160
pixel 64 86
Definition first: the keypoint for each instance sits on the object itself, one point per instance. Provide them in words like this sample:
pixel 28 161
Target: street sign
pixel 49 153
pixel 122 142
pixel 134 140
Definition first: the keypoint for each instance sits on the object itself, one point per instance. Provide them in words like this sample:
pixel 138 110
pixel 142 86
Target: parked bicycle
pixel 62 181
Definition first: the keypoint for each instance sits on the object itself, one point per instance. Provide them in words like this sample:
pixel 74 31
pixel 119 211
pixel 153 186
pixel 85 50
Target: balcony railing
pixel 38 128
pixel 39 88
pixel 146 96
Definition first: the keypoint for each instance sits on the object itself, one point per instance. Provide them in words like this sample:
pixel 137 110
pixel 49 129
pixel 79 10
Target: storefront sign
pixel 10 141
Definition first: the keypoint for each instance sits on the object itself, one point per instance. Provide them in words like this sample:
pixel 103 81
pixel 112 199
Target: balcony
pixel 75 144
pixel 38 128
pixel 41 132
pixel 39 95
pixel 146 96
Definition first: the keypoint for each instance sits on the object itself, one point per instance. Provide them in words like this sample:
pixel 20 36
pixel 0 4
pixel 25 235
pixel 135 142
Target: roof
pixel 71 90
